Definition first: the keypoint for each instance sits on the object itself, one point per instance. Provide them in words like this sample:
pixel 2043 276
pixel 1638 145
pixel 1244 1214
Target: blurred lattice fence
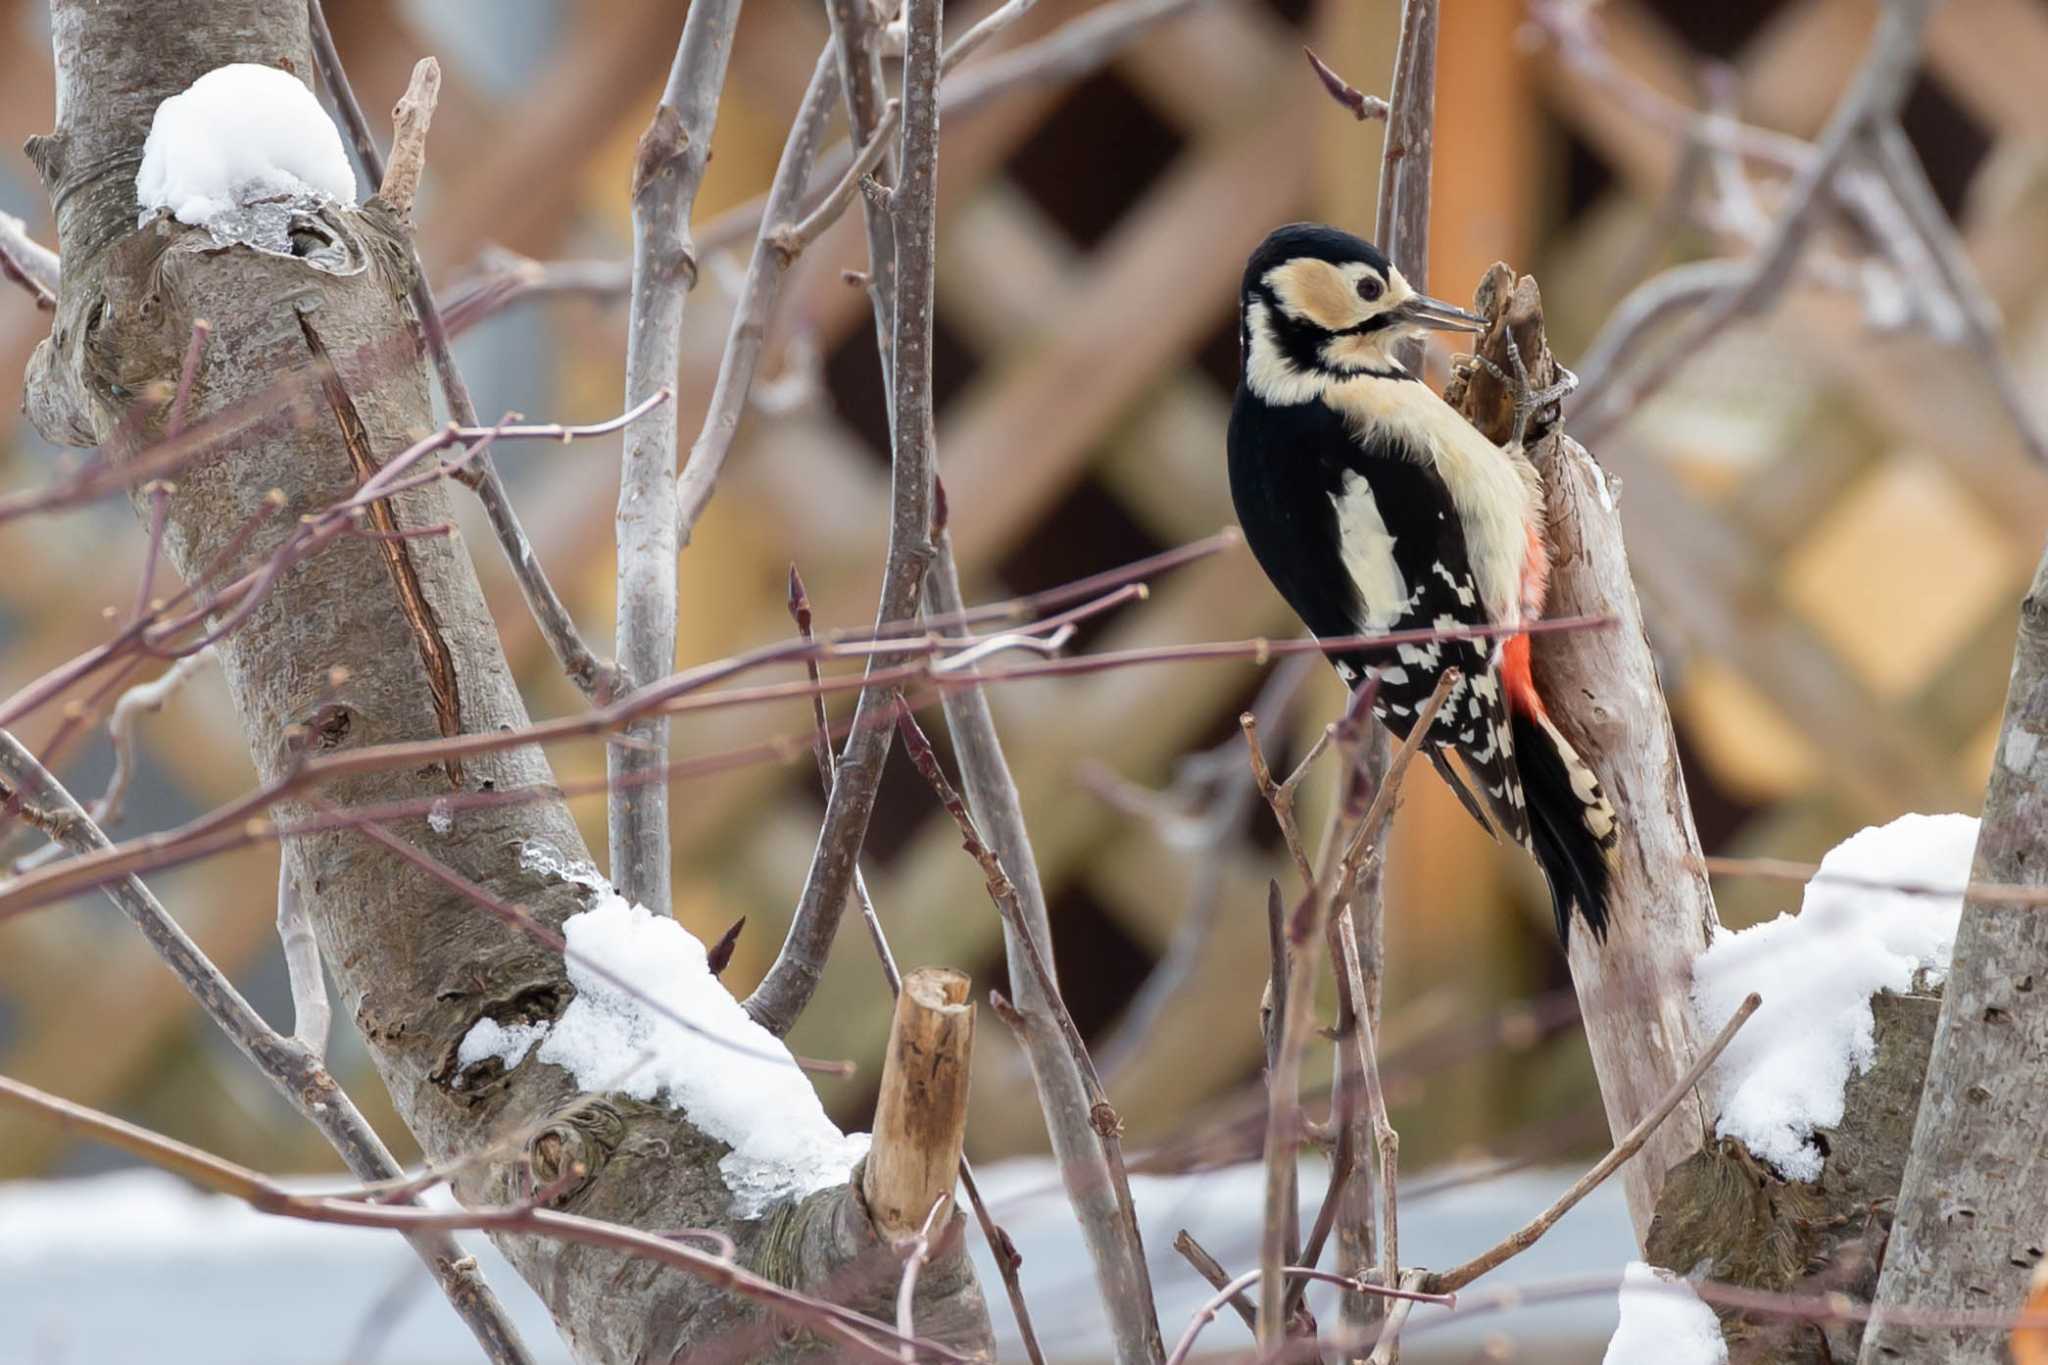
pixel 1829 523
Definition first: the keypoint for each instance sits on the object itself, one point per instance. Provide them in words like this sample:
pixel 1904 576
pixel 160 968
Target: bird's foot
pixel 1528 400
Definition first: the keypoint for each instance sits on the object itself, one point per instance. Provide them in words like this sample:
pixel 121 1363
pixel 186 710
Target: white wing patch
pixel 1495 491
pixel 1368 551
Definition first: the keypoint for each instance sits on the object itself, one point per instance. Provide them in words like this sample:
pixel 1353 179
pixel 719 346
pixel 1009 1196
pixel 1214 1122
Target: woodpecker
pixel 1375 507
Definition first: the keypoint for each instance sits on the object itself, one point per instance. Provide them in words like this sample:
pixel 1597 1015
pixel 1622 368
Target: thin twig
pixel 1074 50
pixel 296 1073
pixel 1070 1094
pixel 906 1291
pixel 1001 1249
pixel 1450 1281
pixel 1907 179
pixel 1283 1114
pixel 1791 870
pixel 789 239
pixel 1387 1349
pixel 1280 795
pixel 1363 107
pixel 236 825
pixel 1206 1314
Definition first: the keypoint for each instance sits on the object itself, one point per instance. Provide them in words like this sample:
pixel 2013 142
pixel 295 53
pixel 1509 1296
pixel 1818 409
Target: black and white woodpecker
pixel 1375 507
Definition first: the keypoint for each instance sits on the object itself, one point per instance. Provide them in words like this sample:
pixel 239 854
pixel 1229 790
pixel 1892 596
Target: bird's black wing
pixel 1291 467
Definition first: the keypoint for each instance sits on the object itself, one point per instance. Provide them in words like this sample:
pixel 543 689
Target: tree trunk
pixel 1970 1226
pixel 344 653
pixel 1635 988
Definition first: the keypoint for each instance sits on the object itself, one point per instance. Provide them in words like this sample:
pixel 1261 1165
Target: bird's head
pixel 1318 301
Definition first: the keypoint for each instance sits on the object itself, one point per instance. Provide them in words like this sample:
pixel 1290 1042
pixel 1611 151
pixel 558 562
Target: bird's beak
pixel 1428 312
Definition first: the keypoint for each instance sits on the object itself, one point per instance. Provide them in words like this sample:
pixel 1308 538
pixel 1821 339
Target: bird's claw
pixel 1526 398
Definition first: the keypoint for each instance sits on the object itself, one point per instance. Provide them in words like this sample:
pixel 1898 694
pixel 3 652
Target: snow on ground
pixel 650 1020
pixel 138 1268
pixel 1783 1076
pixel 238 134
pixel 1663 1323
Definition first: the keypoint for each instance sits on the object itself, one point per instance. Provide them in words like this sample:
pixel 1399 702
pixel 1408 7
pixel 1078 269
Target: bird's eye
pixel 1370 287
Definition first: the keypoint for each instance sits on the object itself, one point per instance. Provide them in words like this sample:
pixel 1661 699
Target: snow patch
pixel 489 1038
pixel 1663 1321
pixel 1784 1074
pixel 238 134
pixel 638 977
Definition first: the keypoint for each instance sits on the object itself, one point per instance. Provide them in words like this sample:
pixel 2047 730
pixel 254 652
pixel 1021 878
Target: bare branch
pixel 1907 179
pixel 1099 1189
pixel 790 239
pixel 790 981
pixel 1387 1349
pixel 1880 87
pixel 1068 1090
pixel 1210 1269
pixel 1283 1105
pixel 757 296
pixel 1206 1314
pixel 674 153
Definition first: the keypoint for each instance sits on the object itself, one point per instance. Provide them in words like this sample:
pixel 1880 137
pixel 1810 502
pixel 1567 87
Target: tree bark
pixel 1969 1228
pixel 331 659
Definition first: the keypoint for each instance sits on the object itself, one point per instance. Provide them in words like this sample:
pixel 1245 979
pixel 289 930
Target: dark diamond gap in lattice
pixel 1095 157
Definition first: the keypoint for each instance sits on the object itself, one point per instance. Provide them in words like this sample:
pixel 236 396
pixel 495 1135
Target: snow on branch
pixel 651 1021
pixel 239 134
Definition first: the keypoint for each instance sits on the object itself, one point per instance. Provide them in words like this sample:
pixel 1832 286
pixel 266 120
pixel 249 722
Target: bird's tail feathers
pixel 1571 824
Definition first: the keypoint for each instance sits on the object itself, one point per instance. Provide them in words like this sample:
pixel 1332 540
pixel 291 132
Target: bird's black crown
pixel 1318 240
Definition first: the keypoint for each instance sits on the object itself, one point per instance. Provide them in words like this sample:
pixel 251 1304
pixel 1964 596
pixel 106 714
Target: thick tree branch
pixel 557 627
pixel 771 260
pixel 794 975
pixel 674 152
pixel 1067 1095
